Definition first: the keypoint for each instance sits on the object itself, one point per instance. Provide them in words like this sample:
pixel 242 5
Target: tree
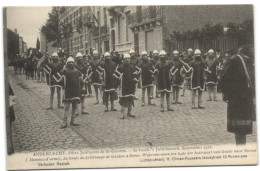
pixel 51 28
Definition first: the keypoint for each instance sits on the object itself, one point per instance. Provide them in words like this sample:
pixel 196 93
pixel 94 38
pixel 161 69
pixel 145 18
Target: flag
pixel 37 45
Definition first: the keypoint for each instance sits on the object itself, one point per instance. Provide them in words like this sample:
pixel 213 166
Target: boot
pixel 169 108
pixel 64 124
pixel 162 108
pixel 112 107
pixel 122 114
pixel 106 109
pixel 143 103
pixel 72 122
pixel 150 102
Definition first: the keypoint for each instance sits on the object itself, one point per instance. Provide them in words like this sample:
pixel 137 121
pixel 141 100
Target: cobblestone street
pixel 38 129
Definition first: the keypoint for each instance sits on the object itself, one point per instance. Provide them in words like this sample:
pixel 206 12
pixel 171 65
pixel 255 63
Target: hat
pixel 79 55
pixel 197 52
pixel 155 52
pixel 144 53
pixel 55 54
pixel 162 52
pixel 70 59
pixel 190 50
pixel 95 52
pixel 175 52
pixel 107 54
pixel 126 55
pixel 132 51
pixel 211 51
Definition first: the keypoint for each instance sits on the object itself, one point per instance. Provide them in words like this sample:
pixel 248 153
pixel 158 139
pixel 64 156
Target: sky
pixel 27 21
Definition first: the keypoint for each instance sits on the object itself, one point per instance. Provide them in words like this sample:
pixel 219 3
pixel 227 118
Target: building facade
pixel 139 27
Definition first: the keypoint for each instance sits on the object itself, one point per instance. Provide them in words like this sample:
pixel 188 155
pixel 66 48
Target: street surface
pixel 37 129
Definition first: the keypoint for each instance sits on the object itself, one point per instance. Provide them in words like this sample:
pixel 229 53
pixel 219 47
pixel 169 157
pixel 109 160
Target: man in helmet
pixel 176 77
pixel 154 60
pixel 134 61
pixel 197 69
pixel 53 69
pixel 72 91
pixel 83 69
pixel 163 68
pixel 187 59
pixel 96 78
pixel 211 78
pixel 127 75
pixel 109 82
pixel 147 72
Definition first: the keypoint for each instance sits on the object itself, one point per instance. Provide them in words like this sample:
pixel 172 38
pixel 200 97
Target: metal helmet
pixel 190 50
pixel 162 52
pixel 132 51
pixel 79 55
pixel 144 53
pixel 107 54
pixel 126 55
pixel 155 52
pixel 70 59
pixel 95 52
pixel 211 51
pixel 197 52
pixel 54 54
pixel 175 52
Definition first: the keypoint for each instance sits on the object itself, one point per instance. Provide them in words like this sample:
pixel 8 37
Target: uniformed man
pixel 187 59
pixel 72 91
pixel 163 68
pixel 83 69
pixel 109 81
pixel 96 77
pixel 155 59
pixel 176 77
pixel 211 76
pixel 134 61
pixel 127 75
pixel 53 70
pixel 147 71
pixel 197 69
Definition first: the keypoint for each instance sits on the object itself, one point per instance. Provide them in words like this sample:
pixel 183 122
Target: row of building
pixel 15 45
pixel 138 27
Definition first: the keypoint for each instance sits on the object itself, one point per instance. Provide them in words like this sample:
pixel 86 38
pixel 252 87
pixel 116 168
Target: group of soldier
pixel 118 78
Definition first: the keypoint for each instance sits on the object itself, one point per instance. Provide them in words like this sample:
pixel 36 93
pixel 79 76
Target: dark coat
pixel 164 82
pixel 197 79
pixel 212 77
pixel 238 93
pixel 147 75
pixel 54 69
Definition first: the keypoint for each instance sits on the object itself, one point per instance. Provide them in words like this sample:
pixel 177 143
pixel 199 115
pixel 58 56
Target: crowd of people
pixel 159 75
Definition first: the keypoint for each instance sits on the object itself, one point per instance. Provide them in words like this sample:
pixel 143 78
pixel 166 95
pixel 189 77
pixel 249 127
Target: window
pixel 126 25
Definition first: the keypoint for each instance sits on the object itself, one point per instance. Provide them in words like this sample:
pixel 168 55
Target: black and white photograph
pixel 147 85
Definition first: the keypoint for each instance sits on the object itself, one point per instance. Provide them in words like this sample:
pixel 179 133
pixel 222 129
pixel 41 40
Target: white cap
pixel 211 51
pixel 79 55
pixel 126 55
pixel 132 51
pixel 175 52
pixel 95 52
pixel 55 54
pixel 155 52
pixel 190 50
pixel 70 59
pixel 144 53
pixel 162 52
pixel 107 54
pixel 197 52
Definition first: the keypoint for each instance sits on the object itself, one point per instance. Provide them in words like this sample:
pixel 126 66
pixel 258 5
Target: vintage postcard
pixel 129 86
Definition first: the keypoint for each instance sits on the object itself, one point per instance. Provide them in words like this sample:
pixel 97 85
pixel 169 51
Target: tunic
pixel 82 68
pixel 197 79
pixel 96 79
pixel 128 78
pixel 72 87
pixel 238 92
pixel 164 82
pixel 176 77
pixel 146 74
pixel 109 81
pixel 53 69
pixel 212 77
